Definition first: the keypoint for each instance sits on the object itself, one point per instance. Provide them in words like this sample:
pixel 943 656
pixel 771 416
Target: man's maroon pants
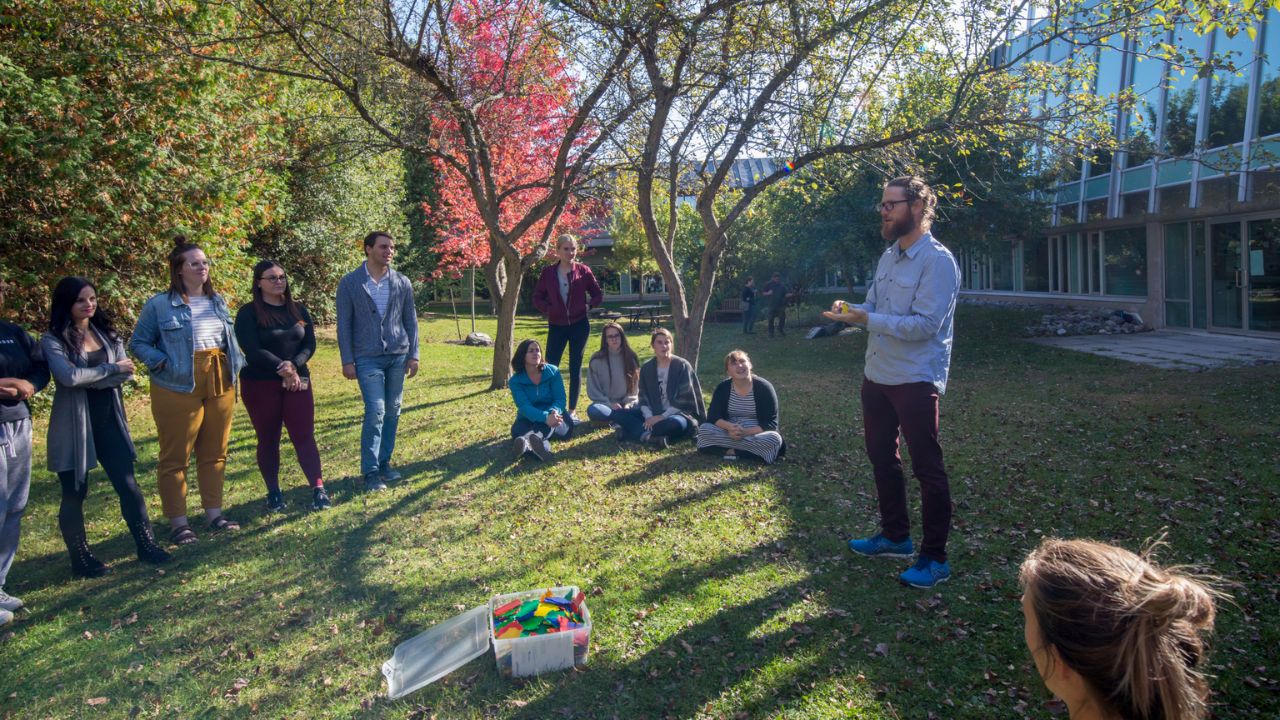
pixel 911 409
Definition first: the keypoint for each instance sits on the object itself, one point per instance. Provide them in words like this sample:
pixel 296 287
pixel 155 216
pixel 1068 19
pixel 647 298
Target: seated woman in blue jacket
pixel 538 391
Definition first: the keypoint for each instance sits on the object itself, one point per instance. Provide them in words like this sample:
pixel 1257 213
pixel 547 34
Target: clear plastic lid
pixel 421 660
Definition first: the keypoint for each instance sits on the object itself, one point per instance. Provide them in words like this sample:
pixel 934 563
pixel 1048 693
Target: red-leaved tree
pixel 519 89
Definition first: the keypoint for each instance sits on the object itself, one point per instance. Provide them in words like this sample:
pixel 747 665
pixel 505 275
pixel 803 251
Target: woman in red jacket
pixel 564 293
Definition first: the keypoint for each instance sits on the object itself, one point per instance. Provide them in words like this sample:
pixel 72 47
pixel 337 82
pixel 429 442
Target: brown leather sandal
pixel 222 522
pixel 182 535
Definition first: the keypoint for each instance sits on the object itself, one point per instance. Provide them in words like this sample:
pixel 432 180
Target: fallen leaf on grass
pixel 882 649
pixel 94 702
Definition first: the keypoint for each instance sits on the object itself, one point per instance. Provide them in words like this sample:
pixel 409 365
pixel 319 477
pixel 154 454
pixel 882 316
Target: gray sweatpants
pixel 15 484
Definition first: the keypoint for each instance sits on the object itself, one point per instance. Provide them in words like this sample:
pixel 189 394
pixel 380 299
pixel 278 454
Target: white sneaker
pixel 730 454
pixel 9 602
pixel 813 332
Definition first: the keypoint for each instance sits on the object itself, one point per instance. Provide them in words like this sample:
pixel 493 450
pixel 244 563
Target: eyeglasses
pixel 274 278
pixel 613 336
pixel 887 205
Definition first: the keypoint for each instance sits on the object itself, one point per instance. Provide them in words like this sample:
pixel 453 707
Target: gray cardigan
pixel 70 437
pixel 361 333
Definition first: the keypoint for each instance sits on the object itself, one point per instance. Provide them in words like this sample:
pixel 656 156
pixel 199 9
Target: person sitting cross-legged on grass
pixel 1115 636
pixel 670 396
pixel 538 391
pixel 742 420
pixel 613 379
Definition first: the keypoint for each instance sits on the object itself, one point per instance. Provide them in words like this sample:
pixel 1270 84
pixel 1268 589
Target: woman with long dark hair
pixel 278 338
pixel 22 374
pixel 565 293
pixel 538 392
pixel 88 426
pixel 185 337
pixel 613 382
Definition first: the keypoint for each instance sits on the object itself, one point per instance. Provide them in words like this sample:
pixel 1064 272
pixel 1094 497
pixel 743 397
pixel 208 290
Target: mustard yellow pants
pixel 201 421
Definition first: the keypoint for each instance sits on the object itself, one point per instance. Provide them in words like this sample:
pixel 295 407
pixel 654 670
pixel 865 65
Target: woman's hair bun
pixel 179 240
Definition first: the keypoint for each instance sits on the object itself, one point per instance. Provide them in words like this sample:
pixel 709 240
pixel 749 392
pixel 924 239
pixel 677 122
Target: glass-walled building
pixel 1183 226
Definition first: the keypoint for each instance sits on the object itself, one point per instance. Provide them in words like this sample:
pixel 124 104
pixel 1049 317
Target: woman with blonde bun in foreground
pixel 1114 635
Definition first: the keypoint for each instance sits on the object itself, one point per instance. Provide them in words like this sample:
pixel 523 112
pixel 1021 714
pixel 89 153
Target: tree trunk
pixel 506 298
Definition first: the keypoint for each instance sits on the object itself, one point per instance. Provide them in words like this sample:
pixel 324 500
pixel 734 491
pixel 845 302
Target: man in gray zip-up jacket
pixel 378 342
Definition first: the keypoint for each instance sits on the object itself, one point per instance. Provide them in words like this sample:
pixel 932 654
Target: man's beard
pixel 898 228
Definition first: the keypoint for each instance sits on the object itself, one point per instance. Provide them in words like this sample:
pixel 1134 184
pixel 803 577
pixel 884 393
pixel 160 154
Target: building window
pixel 1125 262
pixel 1095 209
pixel 1269 89
pixel 1002 270
pixel 1229 90
pixel 1182 104
pixel 1144 119
pixel 1218 191
pixel 1035 265
pixel 1134 204
pixel 1177 275
pixel 1175 198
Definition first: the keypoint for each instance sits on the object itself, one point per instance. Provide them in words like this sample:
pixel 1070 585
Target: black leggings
pixel 575 335
pixel 113 453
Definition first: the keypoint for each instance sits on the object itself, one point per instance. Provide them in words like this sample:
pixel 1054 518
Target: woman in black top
pixel 278 338
pixel 22 374
pixel 87 425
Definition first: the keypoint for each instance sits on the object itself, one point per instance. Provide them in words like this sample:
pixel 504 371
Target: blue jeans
pixel 381 381
pixel 631 421
pixel 749 318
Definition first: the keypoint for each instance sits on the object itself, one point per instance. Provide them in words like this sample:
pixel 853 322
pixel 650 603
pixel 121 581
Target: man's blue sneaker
pixel 881 546
pixel 926 573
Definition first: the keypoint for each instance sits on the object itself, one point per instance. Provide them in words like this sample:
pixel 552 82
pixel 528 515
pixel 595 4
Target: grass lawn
pixel 717 590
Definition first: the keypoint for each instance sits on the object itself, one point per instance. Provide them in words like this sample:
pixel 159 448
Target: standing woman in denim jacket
pixel 186 337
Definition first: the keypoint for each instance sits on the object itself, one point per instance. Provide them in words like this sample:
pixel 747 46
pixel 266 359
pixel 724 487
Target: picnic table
pixel 639 314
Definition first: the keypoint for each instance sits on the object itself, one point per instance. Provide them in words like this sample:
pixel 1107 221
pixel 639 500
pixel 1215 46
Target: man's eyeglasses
pixel 887 205
pixel 274 278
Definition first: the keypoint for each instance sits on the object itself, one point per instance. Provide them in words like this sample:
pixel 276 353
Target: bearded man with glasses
pixel 909 316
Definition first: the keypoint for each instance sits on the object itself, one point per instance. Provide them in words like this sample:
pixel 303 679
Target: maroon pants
pixel 911 409
pixel 270 406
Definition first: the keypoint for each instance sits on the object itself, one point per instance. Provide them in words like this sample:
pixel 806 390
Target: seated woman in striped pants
pixel 742 420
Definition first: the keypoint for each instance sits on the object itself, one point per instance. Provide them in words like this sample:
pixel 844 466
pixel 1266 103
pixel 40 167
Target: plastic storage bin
pixel 425 658
pixel 525 656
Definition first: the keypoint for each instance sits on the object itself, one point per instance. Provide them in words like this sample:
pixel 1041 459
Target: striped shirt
pixel 742 408
pixel 207 329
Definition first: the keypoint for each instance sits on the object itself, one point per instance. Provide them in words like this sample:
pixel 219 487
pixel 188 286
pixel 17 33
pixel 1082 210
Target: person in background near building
pixel 777 294
pixel 670 396
pixel 613 379
pixel 538 392
pixel 185 337
pixel 1115 636
pixel 23 373
pixel 278 338
pixel 87 425
pixel 742 420
pixel 565 293
pixel 749 306
pixel 378 342
pixel 909 316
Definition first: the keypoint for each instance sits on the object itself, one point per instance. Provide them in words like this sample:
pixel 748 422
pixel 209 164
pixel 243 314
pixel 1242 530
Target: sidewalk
pixel 1175 349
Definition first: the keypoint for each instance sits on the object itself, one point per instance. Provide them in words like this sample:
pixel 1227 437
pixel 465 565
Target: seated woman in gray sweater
pixel 742 420
pixel 670 396
pixel 613 379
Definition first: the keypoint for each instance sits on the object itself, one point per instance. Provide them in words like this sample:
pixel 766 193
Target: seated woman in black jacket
pixel 670 396
pixel 743 418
